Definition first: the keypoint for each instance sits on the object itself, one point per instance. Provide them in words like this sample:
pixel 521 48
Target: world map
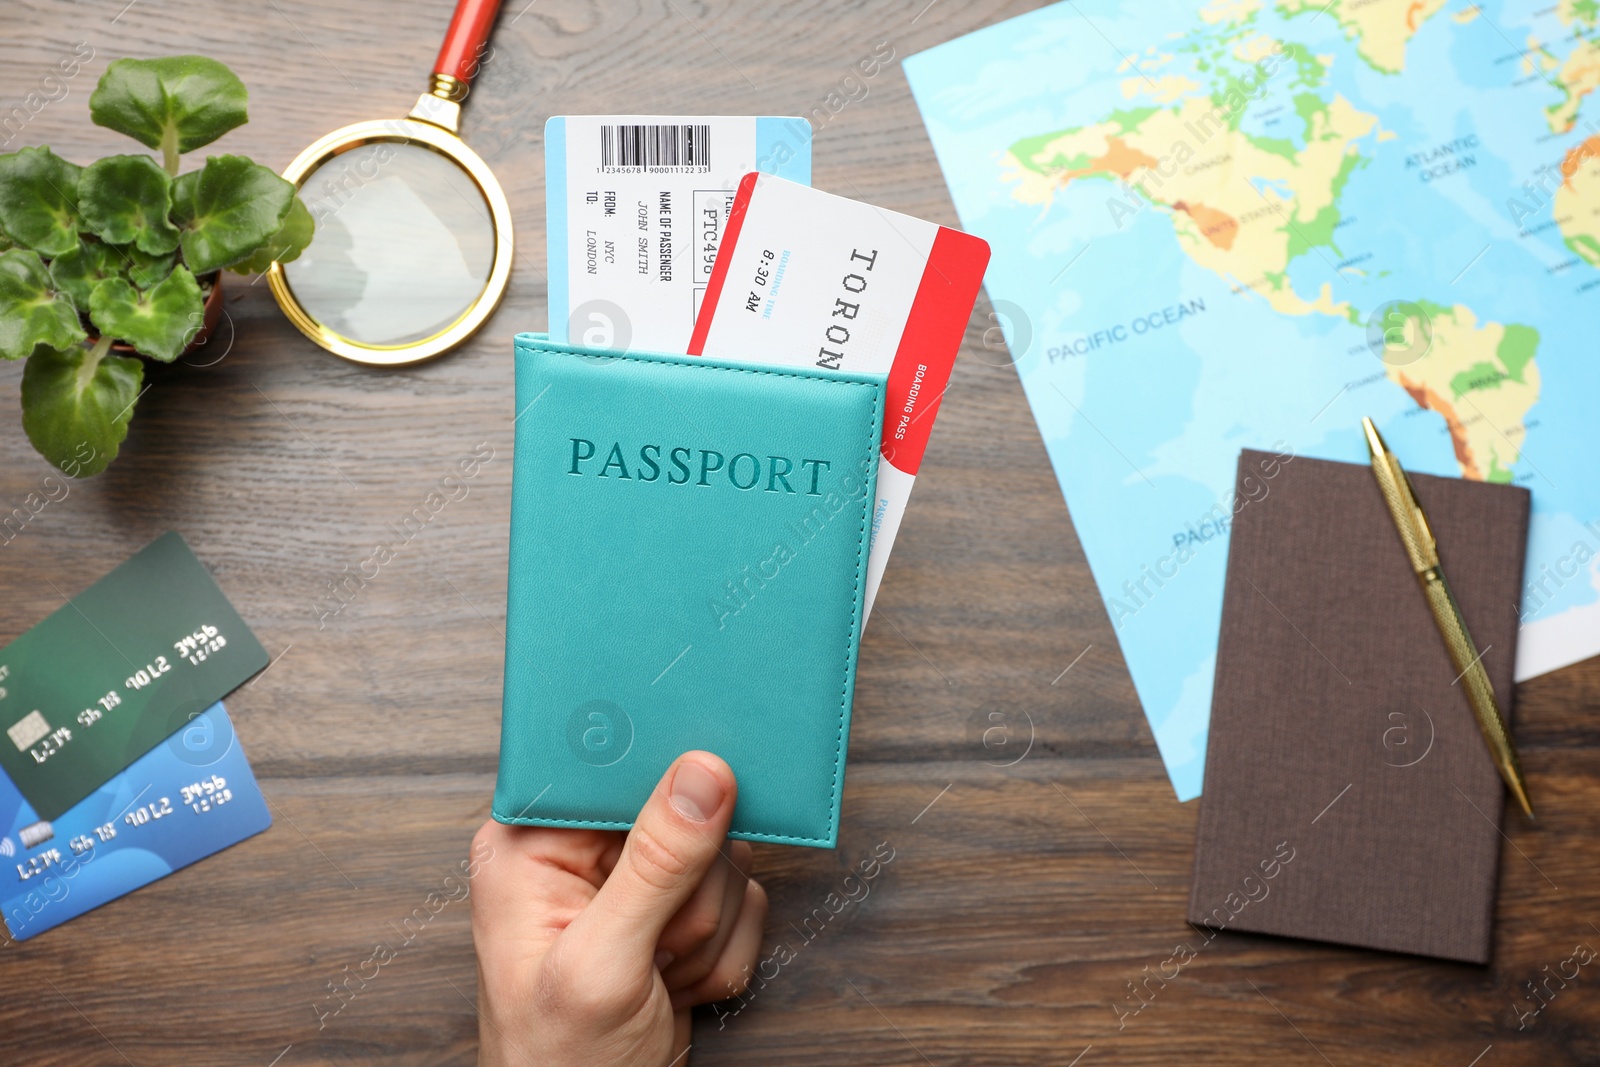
pixel 1250 223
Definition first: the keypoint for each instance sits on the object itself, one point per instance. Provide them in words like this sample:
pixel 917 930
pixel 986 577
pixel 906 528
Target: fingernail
pixel 696 792
pixel 663 958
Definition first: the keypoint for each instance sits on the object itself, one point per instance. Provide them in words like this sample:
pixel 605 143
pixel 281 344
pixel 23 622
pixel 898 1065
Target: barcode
pixel 655 146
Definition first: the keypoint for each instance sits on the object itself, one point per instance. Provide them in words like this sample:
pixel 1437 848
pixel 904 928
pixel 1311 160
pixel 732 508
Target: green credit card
pixel 115 671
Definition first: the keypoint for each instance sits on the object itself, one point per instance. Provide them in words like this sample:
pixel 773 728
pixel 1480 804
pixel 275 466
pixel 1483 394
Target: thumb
pixel 673 843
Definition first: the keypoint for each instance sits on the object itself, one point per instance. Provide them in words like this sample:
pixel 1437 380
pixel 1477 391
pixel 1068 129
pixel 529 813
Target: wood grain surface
pixel 1021 901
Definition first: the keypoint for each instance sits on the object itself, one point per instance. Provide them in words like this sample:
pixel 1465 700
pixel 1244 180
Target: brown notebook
pixel 1349 796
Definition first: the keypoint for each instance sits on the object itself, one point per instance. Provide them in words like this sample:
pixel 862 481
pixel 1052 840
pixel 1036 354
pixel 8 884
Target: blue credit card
pixel 188 797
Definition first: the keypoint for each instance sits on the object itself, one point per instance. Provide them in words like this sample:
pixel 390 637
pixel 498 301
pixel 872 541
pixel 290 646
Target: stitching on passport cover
pixel 844 687
pixel 666 360
pixel 861 552
pixel 606 824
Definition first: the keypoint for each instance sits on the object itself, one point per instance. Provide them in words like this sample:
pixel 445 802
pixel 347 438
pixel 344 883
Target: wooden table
pixel 1021 900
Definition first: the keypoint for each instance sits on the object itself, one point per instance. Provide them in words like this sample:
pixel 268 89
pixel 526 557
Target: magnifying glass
pixel 412 249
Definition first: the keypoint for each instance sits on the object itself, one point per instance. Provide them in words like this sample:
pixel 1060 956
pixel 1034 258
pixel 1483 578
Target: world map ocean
pixel 1250 223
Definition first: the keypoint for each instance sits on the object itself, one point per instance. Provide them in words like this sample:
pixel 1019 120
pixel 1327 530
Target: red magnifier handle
pixel 466 41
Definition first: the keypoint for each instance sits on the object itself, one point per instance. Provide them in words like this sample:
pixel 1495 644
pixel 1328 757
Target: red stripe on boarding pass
pixel 927 351
pixel 719 269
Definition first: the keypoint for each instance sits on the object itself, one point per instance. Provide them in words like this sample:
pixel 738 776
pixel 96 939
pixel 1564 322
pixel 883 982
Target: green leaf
pixel 125 200
pixel 39 200
pixel 145 270
pixel 282 247
pixel 226 209
pixel 176 104
pixel 32 312
pixel 76 405
pixel 159 322
pixel 77 272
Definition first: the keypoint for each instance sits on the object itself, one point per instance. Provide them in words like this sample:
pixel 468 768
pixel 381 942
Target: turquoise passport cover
pixel 688 557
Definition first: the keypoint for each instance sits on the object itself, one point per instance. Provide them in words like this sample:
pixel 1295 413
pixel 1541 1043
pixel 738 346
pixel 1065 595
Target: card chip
pixel 27 730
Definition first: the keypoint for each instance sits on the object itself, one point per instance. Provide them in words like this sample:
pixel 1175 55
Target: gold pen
pixel 1423 553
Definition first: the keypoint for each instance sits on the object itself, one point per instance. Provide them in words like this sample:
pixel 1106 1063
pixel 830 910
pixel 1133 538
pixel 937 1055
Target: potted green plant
pixel 126 254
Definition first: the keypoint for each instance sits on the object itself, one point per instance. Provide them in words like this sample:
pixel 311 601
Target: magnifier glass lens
pixel 403 245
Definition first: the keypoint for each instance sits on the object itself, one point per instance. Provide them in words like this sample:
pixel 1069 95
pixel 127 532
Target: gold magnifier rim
pixel 412 131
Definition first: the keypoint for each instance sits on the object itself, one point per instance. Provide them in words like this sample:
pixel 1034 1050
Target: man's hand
pixel 593 945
